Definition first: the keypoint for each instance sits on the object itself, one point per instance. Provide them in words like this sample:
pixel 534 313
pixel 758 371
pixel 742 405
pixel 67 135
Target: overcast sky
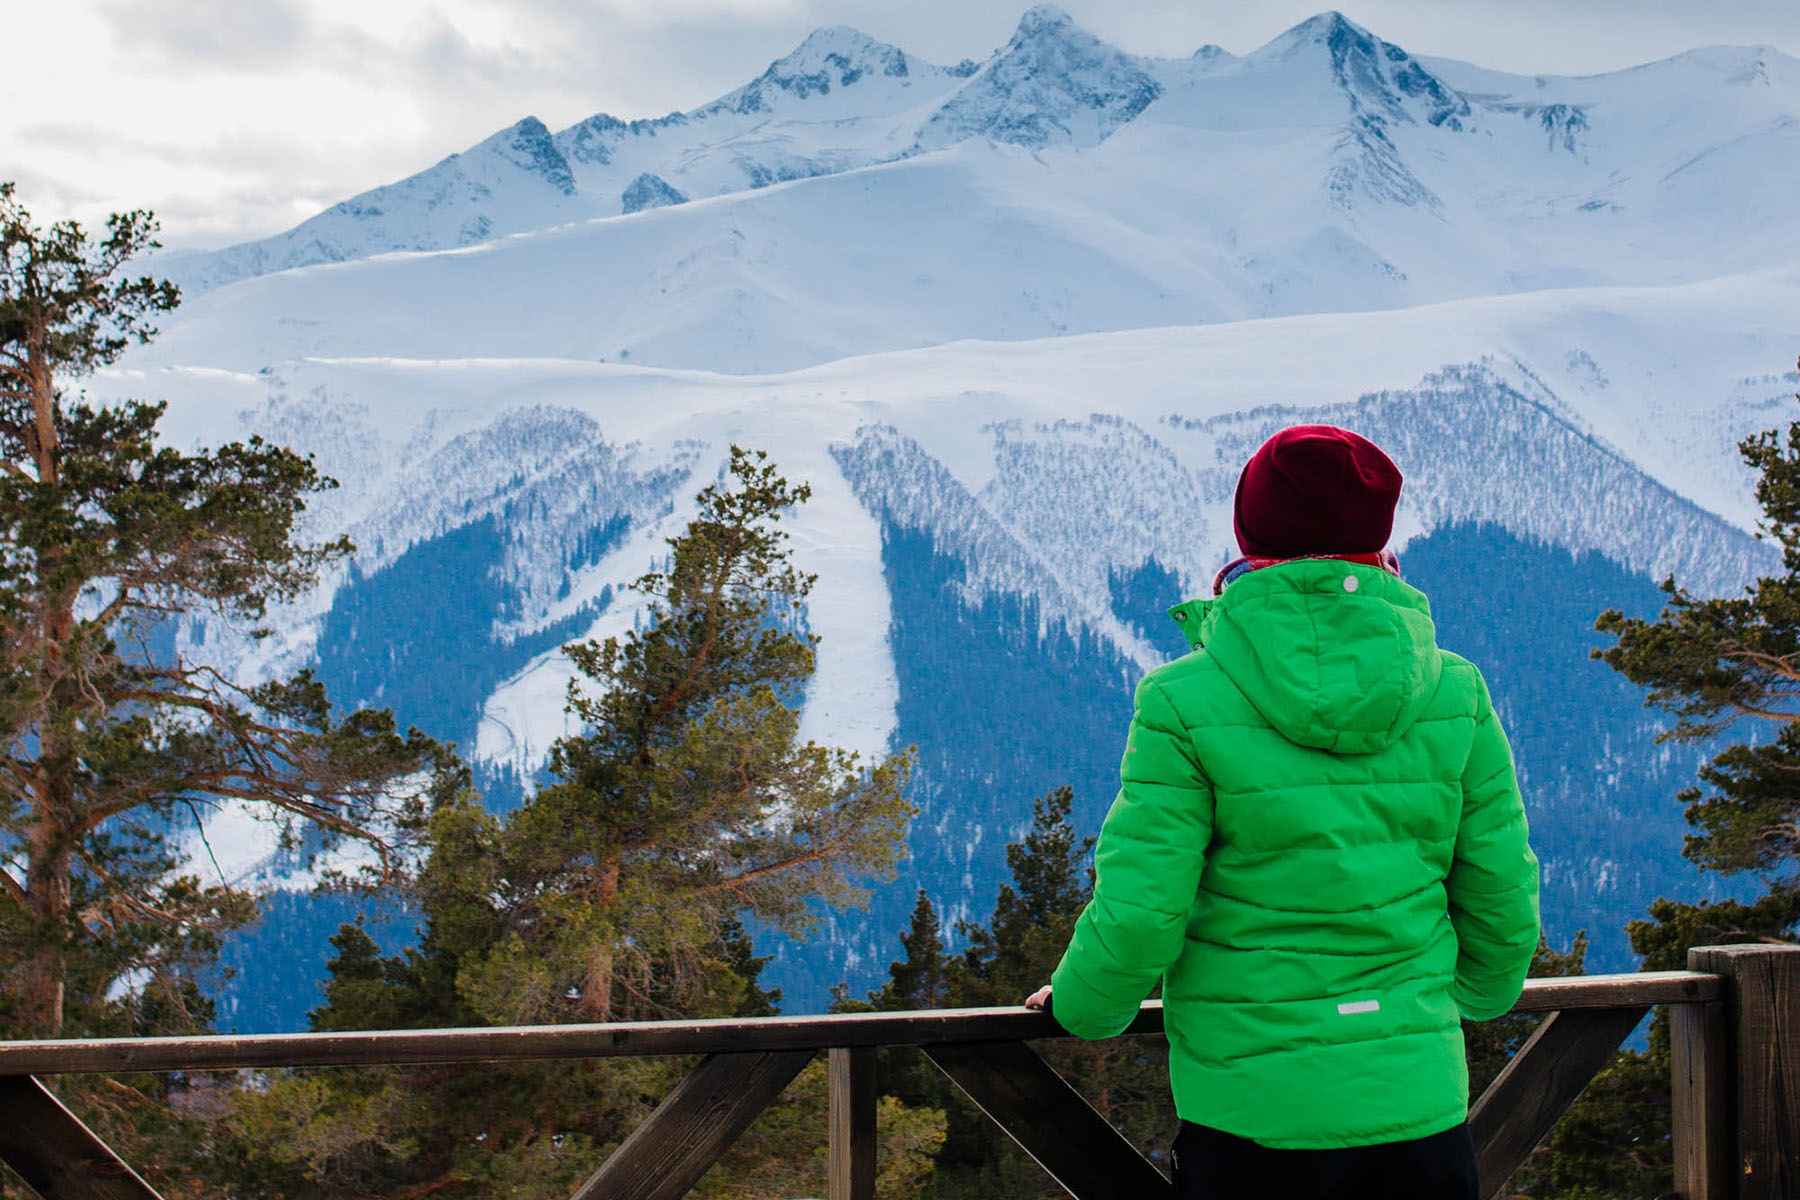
pixel 239 118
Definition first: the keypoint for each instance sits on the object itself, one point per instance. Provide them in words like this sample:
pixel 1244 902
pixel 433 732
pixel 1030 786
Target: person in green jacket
pixel 1319 850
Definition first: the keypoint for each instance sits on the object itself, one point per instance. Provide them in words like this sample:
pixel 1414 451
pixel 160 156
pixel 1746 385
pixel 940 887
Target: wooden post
pixel 1762 1030
pixel 851 1076
pixel 1700 1092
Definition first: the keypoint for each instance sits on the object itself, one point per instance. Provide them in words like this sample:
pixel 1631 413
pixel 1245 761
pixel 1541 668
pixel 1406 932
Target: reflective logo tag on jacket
pixel 1359 1006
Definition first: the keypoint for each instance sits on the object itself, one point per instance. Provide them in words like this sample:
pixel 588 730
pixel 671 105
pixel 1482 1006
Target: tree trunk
pixel 49 846
pixel 596 989
pixel 48 898
pixel 42 434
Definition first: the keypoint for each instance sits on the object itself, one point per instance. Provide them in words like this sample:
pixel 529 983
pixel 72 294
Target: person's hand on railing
pixel 1039 998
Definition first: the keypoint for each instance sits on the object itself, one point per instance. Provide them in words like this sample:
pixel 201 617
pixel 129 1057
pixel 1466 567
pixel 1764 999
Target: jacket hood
pixel 1334 655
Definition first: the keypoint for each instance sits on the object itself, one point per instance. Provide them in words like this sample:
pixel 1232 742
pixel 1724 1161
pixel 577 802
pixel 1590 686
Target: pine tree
pixel 109 739
pixel 920 979
pixel 1715 664
pixel 685 812
pixel 1034 915
pixel 687 801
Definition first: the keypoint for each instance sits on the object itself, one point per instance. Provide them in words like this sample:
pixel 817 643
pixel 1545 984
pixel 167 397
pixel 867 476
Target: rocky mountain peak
pixel 528 145
pixel 1328 25
pixel 836 57
pixel 591 140
pixel 847 53
pixel 1379 78
pixel 1053 83
pixel 649 191
pixel 1043 17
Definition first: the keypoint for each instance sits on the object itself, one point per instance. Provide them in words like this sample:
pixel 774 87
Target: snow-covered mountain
pixel 1019 323
pixel 1328 171
pixel 841 100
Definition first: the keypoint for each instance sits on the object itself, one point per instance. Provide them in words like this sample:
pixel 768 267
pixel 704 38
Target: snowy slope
pixel 517 179
pixel 1160 417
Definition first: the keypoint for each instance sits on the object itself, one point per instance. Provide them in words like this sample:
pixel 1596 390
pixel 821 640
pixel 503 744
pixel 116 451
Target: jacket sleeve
pixel 1147 870
pixel 1493 881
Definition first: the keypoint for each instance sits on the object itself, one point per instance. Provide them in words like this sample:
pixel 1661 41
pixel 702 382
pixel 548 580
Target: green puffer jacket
pixel 1319 847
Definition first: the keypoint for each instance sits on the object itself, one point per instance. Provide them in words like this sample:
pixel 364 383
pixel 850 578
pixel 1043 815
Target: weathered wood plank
pixel 851 1086
pixel 1700 1117
pixel 1539 1084
pixel 523 1043
pixel 526 1043
pixel 61 1158
pixel 1762 1013
pixel 1641 990
pixel 695 1123
pixel 1022 1094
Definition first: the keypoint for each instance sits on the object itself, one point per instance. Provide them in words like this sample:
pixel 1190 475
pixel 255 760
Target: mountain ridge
pixel 882 105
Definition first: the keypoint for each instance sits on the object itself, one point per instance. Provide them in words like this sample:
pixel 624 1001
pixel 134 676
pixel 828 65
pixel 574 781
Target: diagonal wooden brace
pixel 693 1126
pixel 1024 1095
pixel 1539 1084
pixel 50 1148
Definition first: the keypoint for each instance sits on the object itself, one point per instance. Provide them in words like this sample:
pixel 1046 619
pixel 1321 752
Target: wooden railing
pixel 1736 1084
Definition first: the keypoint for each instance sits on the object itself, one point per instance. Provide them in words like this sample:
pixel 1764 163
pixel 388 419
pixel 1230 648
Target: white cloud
pixel 212 34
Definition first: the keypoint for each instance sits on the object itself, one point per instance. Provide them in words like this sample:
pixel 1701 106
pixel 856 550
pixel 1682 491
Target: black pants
pixel 1211 1165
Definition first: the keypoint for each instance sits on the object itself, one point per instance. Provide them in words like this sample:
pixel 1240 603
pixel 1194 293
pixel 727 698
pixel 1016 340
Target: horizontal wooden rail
pixel 1639 990
pixel 530 1042
pixel 731 1036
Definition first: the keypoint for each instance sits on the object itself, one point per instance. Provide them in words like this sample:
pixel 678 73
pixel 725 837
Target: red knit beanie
pixel 1314 490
